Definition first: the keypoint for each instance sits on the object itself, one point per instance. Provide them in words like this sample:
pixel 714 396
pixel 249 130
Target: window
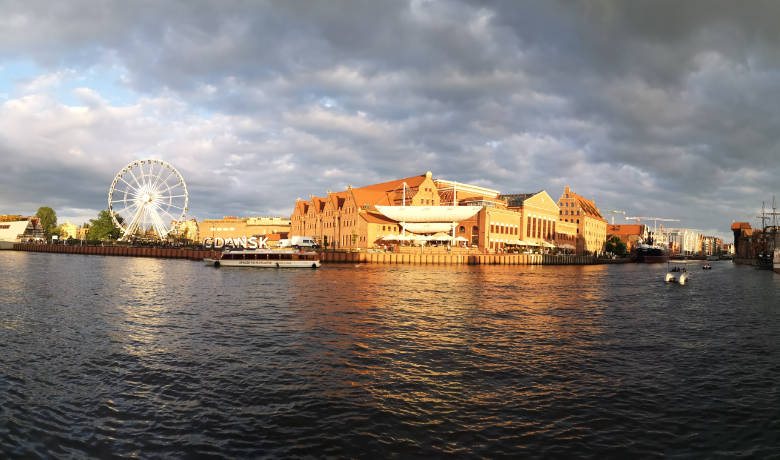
pixel 462 229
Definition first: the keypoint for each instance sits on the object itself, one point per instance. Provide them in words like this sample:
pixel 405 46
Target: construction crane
pixel 615 211
pixel 655 221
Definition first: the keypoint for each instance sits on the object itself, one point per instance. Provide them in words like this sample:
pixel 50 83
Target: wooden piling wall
pixel 454 259
pixel 168 253
pixel 328 257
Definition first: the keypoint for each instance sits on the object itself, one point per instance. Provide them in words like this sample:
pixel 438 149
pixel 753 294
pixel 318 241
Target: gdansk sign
pixel 253 242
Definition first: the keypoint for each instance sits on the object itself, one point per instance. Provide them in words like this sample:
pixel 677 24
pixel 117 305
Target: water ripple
pixel 132 357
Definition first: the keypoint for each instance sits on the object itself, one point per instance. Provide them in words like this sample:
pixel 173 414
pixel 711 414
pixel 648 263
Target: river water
pixel 135 357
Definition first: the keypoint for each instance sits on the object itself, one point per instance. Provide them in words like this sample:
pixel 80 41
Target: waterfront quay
pixel 127 251
pixel 416 257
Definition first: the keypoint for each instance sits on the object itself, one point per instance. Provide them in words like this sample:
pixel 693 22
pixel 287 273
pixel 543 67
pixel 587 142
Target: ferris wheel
pixel 147 195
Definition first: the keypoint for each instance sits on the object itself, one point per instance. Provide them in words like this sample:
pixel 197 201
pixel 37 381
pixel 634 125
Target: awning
pixel 427 227
pixel 461 239
pixel 428 213
pixel 547 245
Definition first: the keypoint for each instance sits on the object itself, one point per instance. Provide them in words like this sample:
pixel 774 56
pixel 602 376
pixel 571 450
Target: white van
pixel 303 242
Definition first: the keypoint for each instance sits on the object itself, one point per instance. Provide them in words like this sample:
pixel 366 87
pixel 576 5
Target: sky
pixel 656 108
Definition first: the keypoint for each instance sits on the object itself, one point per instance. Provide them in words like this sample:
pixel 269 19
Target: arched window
pixel 462 229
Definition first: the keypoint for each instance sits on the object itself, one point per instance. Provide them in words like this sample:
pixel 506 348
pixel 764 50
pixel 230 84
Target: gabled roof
pixel 371 197
pixel 740 226
pixel 588 206
pixel 376 218
pixel 301 207
pixel 316 204
pixel 516 200
pixel 411 182
pixel 386 193
pixel 337 199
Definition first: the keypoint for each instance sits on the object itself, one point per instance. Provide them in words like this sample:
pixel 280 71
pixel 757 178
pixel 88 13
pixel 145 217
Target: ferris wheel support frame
pixel 145 198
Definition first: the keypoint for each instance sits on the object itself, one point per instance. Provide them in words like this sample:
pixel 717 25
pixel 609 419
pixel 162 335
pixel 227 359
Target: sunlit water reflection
pixel 147 357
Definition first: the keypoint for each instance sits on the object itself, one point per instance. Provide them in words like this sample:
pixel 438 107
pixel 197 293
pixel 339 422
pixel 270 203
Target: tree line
pixel 100 228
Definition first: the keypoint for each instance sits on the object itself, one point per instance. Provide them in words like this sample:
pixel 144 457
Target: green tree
pixel 103 227
pixel 47 218
pixel 616 246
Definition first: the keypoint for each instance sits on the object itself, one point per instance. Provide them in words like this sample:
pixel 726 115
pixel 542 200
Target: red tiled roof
pixel 589 207
pixel 740 226
pixel 374 218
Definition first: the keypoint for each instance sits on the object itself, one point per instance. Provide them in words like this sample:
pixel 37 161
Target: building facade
pixel 591 225
pixel 68 230
pixel 239 227
pixel 477 217
pixel 682 241
pixel 19 229
pixel 539 219
pixel 630 234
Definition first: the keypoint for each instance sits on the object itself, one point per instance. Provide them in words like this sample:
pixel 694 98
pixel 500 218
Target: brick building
pixel 364 217
pixel 630 234
pixel 591 225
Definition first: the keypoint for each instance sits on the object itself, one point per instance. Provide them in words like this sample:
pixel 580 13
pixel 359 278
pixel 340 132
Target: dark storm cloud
pixel 659 108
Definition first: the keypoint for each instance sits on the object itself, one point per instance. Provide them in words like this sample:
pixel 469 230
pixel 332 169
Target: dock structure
pixel 127 251
pixel 455 259
pixel 346 257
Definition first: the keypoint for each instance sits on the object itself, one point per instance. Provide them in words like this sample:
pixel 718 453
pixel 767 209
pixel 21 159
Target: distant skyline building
pixel 683 241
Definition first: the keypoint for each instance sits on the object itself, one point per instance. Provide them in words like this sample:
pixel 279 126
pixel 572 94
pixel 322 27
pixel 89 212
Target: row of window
pixel 494 228
pixel 538 228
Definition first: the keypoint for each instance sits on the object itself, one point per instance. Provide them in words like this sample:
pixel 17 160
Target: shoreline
pixel 333 257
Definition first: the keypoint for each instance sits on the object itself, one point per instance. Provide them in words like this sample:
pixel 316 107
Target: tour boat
pixel 265 258
pixel 677 274
pixel 706 267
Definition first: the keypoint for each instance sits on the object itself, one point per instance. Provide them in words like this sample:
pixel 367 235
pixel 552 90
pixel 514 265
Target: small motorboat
pixel 677 273
pixel 706 267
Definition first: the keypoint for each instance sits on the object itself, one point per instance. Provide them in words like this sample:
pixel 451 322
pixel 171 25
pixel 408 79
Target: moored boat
pixel 776 261
pixel 265 258
pixel 650 254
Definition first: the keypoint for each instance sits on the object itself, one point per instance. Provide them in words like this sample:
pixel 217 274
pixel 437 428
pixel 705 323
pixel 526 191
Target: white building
pixel 687 240
pixel 16 232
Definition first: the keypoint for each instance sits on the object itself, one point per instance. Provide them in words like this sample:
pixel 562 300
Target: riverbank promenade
pixel 355 257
